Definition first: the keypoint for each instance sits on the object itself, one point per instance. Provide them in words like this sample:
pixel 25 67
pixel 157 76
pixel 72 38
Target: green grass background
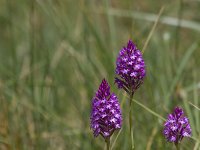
pixel 54 54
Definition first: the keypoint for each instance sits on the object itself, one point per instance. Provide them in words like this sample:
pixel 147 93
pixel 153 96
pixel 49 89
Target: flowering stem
pixel 177 146
pixel 108 143
pixel 130 121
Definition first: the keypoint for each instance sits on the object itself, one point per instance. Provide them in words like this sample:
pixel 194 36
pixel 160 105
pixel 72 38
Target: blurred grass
pixel 53 55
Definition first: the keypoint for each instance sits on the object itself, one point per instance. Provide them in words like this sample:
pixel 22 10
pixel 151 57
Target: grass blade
pixel 172 21
pixel 152 30
pixel 180 69
pixel 149 110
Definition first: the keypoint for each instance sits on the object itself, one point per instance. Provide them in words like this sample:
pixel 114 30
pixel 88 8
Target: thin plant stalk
pixel 131 120
pixel 108 143
pixel 177 146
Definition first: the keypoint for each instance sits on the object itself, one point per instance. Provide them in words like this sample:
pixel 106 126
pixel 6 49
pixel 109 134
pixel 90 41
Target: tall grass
pixel 53 55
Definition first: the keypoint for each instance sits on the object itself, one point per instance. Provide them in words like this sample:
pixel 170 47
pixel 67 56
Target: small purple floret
pixel 106 114
pixel 177 126
pixel 130 68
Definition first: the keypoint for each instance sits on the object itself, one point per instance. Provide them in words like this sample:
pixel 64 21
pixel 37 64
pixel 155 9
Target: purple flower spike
pixel 130 68
pixel 106 113
pixel 177 126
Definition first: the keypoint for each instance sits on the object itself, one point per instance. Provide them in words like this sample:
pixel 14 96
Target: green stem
pixel 130 121
pixel 177 146
pixel 108 143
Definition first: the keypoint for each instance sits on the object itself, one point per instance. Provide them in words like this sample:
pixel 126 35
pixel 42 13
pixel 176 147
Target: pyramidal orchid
pixel 176 127
pixel 106 114
pixel 130 71
pixel 130 68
